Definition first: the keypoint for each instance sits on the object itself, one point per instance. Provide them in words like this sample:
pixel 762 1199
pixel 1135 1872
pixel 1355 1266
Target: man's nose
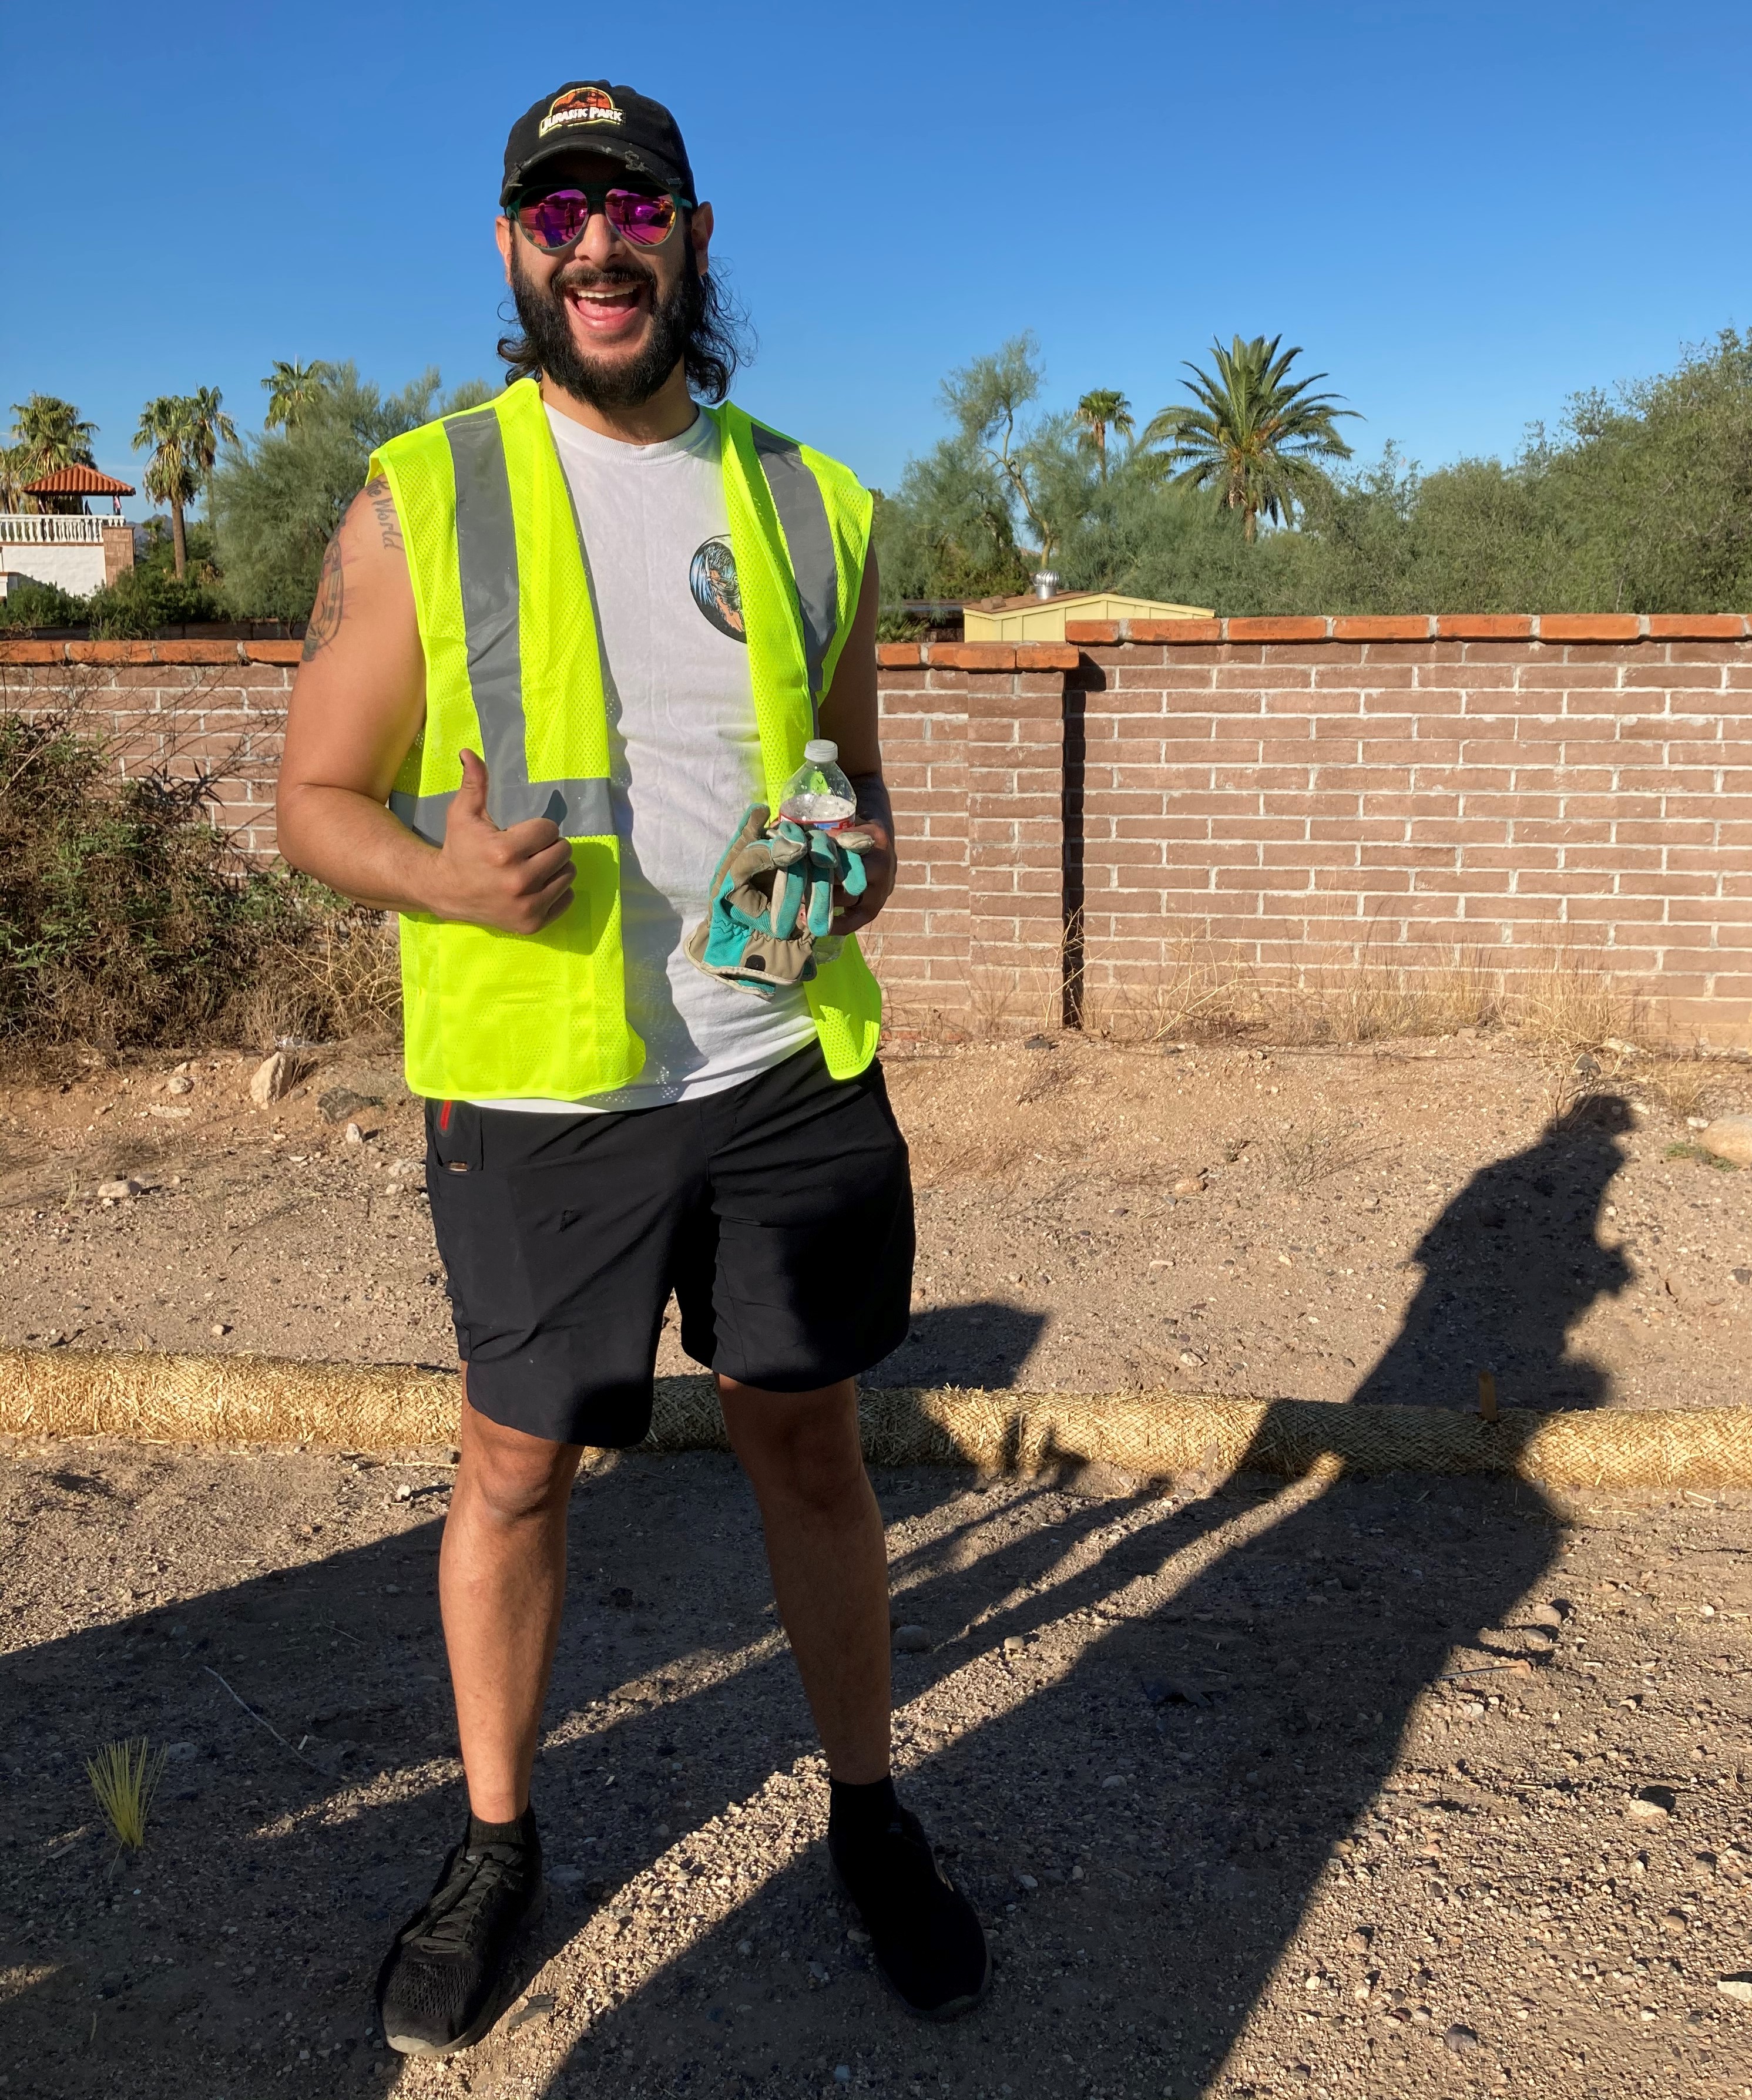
pixel 600 243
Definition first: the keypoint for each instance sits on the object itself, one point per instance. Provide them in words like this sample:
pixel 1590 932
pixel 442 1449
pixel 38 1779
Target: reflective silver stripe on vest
pixel 803 513
pixel 486 557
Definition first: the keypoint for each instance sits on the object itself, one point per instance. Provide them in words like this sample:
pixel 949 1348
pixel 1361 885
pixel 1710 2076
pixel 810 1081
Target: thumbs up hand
pixel 518 881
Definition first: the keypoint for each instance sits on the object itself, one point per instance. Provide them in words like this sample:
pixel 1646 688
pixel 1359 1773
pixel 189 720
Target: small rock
pixel 271 1079
pixel 1189 1184
pixel 818 1970
pixel 1026 1882
pixel 1462 2040
pixel 354 1135
pixel 1546 1615
pixel 341 1103
pixel 115 1191
pixel 1697 1122
pixel 564 1878
pixel 532 2008
pixel 842 2072
pixel 1651 1804
pixel 1541 1640
pixel 219 1329
pixel 1741 1275
pixel 1076 1873
pixel 1037 1042
pixel 745 1946
pixel 1675 1920
pixel 911 1641
pixel 179 1083
pixel 1729 1137
pixel 1361 1939
pixel 1013 1643
pixel 1739 1986
pixel 1191 1360
pixel 177 1753
pixel 1113 1780
pixel 404 1493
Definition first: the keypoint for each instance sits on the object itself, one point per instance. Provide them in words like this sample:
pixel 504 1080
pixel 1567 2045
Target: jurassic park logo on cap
pixel 580 105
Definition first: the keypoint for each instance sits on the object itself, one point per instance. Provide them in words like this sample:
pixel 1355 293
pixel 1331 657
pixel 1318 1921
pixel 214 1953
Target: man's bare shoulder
pixel 364 580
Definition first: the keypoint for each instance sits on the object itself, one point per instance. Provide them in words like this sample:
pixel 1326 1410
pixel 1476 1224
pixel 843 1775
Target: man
pixel 562 643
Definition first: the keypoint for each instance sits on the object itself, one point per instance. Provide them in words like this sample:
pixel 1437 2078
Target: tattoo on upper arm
pixel 389 525
pixel 325 615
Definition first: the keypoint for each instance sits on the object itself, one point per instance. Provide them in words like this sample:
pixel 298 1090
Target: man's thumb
pixel 471 797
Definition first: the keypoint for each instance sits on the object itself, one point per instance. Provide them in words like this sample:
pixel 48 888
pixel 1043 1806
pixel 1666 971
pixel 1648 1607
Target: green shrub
pixel 141 601
pixel 127 920
pixel 30 604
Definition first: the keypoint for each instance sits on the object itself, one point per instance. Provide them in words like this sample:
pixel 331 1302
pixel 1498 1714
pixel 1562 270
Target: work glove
pixel 772 902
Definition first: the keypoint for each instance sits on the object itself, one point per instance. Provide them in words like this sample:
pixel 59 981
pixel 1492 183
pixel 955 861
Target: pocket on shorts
pixel 474 1221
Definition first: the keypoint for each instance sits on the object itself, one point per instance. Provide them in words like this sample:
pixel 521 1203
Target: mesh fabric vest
pixel 513 671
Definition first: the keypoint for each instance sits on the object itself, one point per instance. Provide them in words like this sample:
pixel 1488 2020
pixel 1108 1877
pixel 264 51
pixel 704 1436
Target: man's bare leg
pixel 501 1584
pixel 825 1546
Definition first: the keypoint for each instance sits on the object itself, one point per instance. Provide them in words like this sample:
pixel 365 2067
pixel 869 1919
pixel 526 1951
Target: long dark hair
pixel 716 335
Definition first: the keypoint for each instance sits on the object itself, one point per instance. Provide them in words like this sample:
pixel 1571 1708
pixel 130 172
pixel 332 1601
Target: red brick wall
pixel 1295 798
pixel 177 704
pixel 1289 798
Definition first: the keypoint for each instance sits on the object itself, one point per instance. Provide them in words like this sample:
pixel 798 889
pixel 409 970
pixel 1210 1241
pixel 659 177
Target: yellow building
pixel 1035 619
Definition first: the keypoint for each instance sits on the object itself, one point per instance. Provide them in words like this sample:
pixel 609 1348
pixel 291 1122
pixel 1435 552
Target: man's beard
pixel 541 311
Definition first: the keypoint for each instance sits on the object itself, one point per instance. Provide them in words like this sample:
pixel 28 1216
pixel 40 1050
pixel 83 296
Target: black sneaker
pixel 924 1934
pixel 439 1989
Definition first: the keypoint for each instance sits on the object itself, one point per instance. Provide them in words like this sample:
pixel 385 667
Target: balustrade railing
pixel 20 529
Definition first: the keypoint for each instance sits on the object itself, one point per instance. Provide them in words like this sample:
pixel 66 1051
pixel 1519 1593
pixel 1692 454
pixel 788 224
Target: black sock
pixel 520 1833
pixel 857 1813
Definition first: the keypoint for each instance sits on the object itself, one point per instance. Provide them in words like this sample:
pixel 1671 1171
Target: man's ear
pixel 699 232
pixel 503 234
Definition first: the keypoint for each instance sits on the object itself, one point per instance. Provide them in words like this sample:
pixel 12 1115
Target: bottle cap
pixel 820 752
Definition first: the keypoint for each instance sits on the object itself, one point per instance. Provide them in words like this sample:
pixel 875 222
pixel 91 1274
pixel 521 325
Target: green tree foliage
pixel 1640 502
pixel 29 605
pixel 1254 438
pixel 184 432
pixel 1102 410
pixel 276 500
pixel 47 433
pixel 291 389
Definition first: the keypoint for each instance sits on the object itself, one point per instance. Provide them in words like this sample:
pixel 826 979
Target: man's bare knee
pixel 514 1477
pixel 800 1449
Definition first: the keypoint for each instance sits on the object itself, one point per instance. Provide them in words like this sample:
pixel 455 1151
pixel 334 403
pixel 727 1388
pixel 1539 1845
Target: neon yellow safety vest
pixel 513 671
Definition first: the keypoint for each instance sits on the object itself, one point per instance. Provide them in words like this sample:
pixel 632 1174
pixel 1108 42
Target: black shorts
pixel 779 1212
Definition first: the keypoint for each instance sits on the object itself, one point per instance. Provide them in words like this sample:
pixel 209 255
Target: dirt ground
pixel 1378 1223
pixel 1397 1789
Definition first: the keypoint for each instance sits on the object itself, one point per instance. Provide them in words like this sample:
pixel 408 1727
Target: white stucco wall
pixel 77 568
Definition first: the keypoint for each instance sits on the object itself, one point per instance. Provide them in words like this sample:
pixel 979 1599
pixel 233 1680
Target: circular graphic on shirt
pixel 711 577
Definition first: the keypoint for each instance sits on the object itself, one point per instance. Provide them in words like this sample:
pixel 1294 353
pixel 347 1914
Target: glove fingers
pixel 787 897
pixel 820 908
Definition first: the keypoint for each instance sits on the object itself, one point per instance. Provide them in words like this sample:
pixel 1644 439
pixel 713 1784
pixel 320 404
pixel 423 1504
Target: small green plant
pixel 124 1776
pixel 1705 1158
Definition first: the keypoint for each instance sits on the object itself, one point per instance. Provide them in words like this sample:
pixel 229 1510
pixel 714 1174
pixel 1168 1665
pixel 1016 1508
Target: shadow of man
pixel 1510 1267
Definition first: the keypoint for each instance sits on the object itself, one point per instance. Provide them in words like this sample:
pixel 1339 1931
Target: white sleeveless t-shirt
pixel 684 753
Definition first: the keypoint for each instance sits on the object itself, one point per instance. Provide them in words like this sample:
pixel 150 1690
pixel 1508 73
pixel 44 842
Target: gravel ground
pixel 1394 1789
pixel 1380 1224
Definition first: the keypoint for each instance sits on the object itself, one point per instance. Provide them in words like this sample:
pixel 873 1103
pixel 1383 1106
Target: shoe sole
pixel 495 2009
pixel 952 2008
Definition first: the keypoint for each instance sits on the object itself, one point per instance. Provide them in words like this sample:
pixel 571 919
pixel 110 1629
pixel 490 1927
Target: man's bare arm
pixel 849 716
pixel 355 710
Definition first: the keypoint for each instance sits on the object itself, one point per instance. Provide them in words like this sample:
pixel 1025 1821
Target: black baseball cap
pixel 596 117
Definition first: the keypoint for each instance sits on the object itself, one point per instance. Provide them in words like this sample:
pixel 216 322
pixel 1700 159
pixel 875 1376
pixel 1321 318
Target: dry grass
pixel 340 977
pixel 1331 1144
pixel 124 1776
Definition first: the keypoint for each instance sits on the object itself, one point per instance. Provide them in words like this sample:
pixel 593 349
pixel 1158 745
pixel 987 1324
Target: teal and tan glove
pixel 772 900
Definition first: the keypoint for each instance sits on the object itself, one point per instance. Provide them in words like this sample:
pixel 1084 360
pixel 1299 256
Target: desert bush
pixel 127 919
pixel 29 604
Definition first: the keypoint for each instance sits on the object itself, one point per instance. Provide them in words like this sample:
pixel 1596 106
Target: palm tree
pixel 1253 436
pixel 1100 411
pixel 49 435
pixel 291 389
pixel 185 432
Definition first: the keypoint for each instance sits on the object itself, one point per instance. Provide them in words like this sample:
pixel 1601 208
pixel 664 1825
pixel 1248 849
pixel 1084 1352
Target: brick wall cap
pixel 1590 627
pixel 1483 626
pixel 970 656
pixel 271 652
pixel 1383 627
pixel 1295 628
pixel 1696 626
pixel 898 656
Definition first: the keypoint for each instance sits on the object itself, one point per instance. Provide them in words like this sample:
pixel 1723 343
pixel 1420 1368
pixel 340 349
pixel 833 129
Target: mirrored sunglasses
pixel 557 218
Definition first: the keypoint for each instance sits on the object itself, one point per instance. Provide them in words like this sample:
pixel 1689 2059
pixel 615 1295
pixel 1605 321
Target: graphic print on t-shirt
pixel 711 577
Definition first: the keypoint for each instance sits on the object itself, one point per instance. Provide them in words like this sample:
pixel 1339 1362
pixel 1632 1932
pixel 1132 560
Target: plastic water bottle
pixel 819 793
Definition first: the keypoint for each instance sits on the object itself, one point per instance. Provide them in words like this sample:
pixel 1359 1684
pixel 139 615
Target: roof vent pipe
pixel 1045 582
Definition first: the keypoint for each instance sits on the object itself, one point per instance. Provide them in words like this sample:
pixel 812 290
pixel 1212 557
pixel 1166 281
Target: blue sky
pixel 1464 212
